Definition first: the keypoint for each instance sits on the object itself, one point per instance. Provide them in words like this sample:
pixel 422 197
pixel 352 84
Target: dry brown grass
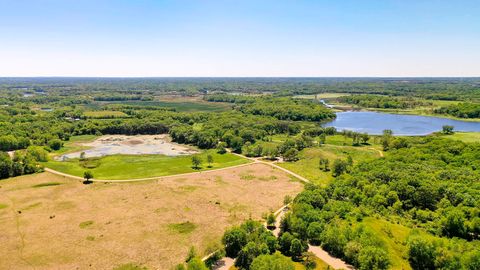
pixel 99 226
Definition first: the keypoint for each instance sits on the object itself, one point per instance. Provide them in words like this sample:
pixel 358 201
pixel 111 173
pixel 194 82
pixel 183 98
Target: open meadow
pixel 50 221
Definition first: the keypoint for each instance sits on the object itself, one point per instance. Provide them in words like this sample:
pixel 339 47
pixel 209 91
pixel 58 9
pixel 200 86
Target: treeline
pixel 230 128
pixel 461 110
pixel 383 102
pixel 280 108
pixel 428 88
pixel 22 162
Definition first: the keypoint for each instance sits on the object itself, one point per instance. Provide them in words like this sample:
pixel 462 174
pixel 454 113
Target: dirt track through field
pixel 153 223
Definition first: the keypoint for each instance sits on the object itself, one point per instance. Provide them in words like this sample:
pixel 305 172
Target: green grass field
pixel 75 144
pixel 144 166
pixel 322 96
pixel 308 164
pixel 104 114
pixel 395 237
pixel 465 136
pixel 184 106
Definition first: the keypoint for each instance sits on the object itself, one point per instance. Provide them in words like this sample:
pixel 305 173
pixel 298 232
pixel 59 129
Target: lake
pixel 401 124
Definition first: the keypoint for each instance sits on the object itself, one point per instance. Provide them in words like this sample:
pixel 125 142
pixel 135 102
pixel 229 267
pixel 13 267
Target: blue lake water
pixel 401 124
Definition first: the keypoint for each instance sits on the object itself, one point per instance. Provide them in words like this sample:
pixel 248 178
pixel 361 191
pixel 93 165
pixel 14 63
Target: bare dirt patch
pixel 150 223
pixel 131 145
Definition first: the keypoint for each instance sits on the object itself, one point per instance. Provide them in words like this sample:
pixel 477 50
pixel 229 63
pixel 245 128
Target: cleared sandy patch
pixel 131 145
pixel 99 226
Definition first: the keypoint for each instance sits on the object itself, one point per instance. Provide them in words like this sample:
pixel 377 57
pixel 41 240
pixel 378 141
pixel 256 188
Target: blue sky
pixel 239 38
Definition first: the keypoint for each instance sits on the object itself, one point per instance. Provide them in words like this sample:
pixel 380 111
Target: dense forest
pixel 467 89
pixel 429 185
pixel 384 102
pixel 280 108
pixel 462 110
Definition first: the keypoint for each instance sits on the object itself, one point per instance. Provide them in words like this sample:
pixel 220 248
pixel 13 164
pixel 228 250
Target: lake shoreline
pixel 374 122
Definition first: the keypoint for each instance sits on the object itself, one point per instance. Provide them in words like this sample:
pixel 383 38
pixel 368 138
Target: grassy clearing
pixel 183 227
pixel 75 144
pixel 308 164
pixel 144 166
pixel 184 106
pixel 2 205
pixel 130 266
pixel 468 137
pixel 395 237
pixel 322 96
pixel 86 224
pixel 47 184
pixel 105 114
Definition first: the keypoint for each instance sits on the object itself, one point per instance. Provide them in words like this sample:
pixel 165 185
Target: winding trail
pixel 226 263
pixel 380 152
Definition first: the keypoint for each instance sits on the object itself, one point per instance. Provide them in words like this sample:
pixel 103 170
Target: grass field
pixel 308 164
pixel 75 144
pixel 465 136
pixel 143 166
pixel 150 223
pixel 322 96
pixel 184 106
pixel 104 114
pixel 395 237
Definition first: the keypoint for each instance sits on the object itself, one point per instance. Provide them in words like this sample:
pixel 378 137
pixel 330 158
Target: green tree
pixel 322 138
pixel 55 144
pixel 234 239
pixel 221 148
pixel 446 129
pixel 339 167
pixel 291 155
pixel 248 253
pixel 472 260
pixel 196 162
pixel 287 200
pixel 196 264
pixel 296 249
pixel 87 175
pixel 309 260
pixel 275 261
pixel 324 164
pixel 236 144
pixel 5 165
pixel 192 253
pixel 421 254
pixel 386 139
pixel 284 243
pixel 209 160
pixel 271 220
pixel 454 224
pixel 373 258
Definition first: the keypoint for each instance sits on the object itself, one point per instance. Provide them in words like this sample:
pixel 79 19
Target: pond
pixel 401 124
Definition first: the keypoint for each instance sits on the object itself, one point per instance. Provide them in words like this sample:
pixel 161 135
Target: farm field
pixel 117 167
pixel 151 223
